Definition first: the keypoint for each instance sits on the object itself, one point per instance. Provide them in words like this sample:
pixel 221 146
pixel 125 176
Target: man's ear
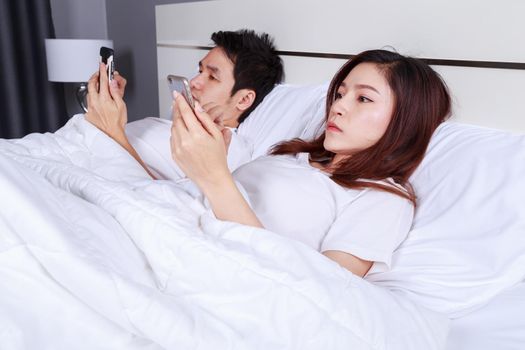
pixel 245 99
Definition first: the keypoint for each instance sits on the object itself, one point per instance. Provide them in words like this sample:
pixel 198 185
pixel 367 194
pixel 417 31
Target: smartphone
pixel 182 86
pixel 107 57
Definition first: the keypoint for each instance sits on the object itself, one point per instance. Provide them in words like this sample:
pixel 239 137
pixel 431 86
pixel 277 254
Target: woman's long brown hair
pixel 421 103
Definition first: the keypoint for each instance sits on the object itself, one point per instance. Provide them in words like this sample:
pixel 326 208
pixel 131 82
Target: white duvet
pixel 94 255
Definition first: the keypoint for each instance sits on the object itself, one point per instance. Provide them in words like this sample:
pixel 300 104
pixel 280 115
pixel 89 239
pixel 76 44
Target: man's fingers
pixel 92 89
pixel 121 82
pixel 103 77
pixel 116 94
pixel 92 84
pixel 119 78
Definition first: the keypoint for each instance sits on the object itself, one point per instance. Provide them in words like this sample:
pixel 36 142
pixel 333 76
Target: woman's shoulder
pixel 380 195
pixel 283 159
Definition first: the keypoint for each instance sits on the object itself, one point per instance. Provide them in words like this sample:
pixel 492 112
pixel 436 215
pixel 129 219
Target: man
pixel 234 77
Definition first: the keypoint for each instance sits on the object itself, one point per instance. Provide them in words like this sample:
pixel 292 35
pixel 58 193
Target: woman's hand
pixel 198 145
pixel 106 109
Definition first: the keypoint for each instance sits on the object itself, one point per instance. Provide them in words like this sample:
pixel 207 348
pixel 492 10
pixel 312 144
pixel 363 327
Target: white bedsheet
pixel 94 255
pixel 498 325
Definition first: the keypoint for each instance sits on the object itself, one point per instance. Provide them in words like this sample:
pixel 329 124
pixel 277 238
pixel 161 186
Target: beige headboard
pixel 476 46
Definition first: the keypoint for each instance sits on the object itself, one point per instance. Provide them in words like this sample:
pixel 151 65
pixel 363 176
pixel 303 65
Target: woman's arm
pixel 108 112
pixel 350 262
pixel 199 148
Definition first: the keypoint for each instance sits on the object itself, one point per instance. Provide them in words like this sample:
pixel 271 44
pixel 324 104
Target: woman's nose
pixel 338 109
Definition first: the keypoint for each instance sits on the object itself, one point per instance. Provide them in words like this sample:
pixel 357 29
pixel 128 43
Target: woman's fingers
pixel 227 134
pixel 177 115
pixel 206 121
pixel 179 138
pixel 187 114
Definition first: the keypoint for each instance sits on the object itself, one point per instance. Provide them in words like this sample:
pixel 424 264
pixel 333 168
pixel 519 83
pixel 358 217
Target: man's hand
pixel 106 109
pixel 121 83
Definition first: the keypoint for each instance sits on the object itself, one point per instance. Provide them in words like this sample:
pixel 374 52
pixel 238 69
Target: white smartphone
pixel 182 86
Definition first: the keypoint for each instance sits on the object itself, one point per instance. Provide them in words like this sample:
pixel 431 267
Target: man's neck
pixel 231 123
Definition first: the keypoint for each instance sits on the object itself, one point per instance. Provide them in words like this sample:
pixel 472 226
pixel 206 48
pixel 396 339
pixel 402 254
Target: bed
pixel 94 255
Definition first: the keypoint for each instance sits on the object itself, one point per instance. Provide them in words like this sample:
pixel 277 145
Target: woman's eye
pixel 211 77
pixel 364 99
pixel 338 95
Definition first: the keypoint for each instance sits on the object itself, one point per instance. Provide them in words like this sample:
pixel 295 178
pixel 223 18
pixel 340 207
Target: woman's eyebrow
pixel 369 87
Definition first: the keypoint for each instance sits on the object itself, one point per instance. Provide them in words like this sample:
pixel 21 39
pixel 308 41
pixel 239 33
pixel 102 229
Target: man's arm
pixel 108 112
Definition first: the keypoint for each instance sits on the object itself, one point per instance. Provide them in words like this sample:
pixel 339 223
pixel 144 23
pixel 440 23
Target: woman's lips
pixel 332 127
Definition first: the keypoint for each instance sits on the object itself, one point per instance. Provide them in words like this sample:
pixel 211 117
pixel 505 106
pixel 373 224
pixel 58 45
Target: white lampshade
pixel 73 60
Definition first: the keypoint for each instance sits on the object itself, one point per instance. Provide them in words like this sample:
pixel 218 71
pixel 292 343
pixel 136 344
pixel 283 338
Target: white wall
pixel 131 26
pixel 79 19
pixel 447 29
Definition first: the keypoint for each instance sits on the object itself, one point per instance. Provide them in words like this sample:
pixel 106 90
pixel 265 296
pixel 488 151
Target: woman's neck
pixel 329 166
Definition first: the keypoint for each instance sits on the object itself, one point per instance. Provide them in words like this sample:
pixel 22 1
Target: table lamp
pixel 74 61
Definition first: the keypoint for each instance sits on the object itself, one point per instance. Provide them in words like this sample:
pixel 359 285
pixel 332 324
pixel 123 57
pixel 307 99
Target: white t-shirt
pixel 294 199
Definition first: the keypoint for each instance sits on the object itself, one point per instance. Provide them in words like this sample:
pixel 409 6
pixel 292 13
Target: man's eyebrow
pixel 214 69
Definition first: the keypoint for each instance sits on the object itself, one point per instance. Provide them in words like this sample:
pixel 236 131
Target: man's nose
pixel 195 82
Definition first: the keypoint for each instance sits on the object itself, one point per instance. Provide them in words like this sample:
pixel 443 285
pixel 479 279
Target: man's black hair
pixel 257 66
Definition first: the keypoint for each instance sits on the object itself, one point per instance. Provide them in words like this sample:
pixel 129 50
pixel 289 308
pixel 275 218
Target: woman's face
pixel 361 112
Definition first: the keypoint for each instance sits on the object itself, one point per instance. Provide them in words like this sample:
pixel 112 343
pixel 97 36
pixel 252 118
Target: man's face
pixel 213 85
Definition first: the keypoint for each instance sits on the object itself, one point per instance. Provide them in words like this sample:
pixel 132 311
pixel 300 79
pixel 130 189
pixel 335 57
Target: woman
pixel 345 193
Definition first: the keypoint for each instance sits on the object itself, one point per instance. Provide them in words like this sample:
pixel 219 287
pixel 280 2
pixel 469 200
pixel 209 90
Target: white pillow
pixel 288 111
pixel 467 243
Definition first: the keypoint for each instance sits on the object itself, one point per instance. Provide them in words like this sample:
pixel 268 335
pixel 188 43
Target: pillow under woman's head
pixel 287 112
pixel 467 242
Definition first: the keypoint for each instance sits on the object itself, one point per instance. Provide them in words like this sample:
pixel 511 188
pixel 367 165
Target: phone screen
pixel 107 57
pixel 182 86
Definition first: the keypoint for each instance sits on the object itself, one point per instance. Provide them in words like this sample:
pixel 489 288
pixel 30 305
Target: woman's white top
pixel 294 199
